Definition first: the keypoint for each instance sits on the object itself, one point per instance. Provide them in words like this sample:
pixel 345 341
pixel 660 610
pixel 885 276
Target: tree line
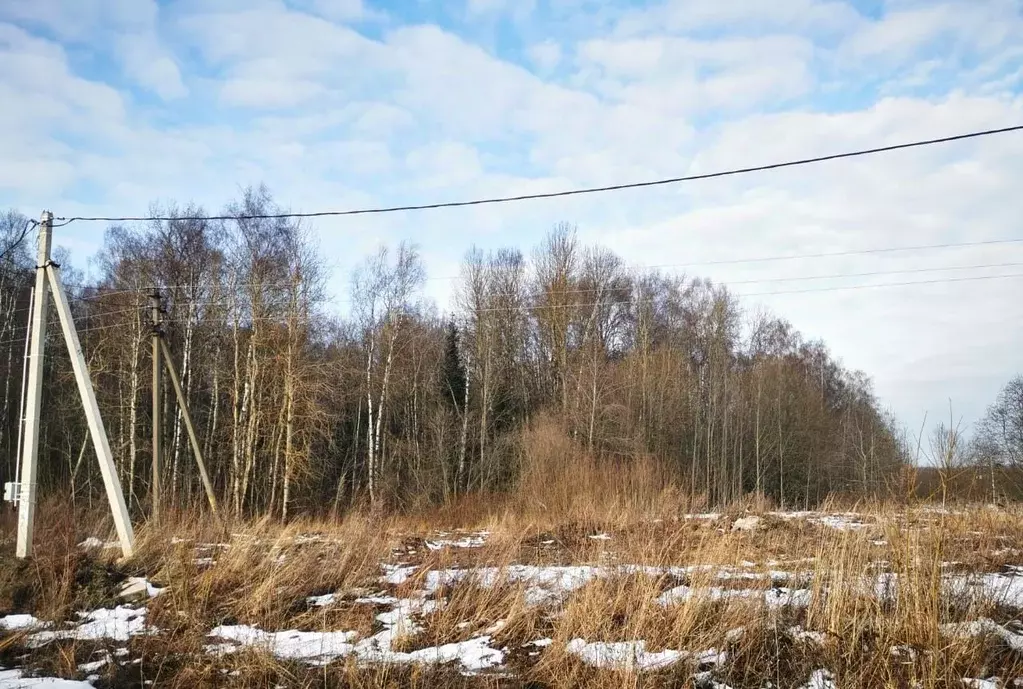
pixel 401 404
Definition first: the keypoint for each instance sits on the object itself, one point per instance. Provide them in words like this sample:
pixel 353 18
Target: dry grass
pixel 571 510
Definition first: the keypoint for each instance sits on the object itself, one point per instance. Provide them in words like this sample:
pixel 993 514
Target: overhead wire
pixel 226 301
pixel 632 185
pixel 552 194
pixel 573 305
pixel 577 305
pixel 105 293
pixel 17 242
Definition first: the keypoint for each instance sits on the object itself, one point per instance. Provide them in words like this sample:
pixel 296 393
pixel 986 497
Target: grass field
pixel 502 594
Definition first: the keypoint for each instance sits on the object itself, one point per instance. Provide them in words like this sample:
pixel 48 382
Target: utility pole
pixel 100 443
pixel 33 404
pixel 192 437
pixel 154 303
pixel 21 401
pixel 48 276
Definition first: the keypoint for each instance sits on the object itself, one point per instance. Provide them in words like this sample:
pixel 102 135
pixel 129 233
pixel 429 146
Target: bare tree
pixel 383 290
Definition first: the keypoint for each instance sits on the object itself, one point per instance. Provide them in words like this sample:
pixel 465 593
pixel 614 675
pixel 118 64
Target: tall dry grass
pixel 878 610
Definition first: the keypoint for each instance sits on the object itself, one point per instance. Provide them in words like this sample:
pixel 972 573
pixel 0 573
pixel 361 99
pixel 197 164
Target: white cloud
pixel 794 15
pixel 333 118
pixel 151 68
pixel 128 28
pixel 308 56
pixel 340 10
pixel 268 93
pixel 680 75
pixel 545 55
pixel 519 8
pixel 902 33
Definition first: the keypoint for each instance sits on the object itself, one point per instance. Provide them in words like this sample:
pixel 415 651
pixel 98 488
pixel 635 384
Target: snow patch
pixel 477 540
pixel 992 683
pixel 632 655
pixel 93 543
pixel 622 655
pixel 983 627
pixel 773 598
pixel 19 622
pixel 119 624
pixel 806 636
pixel 820 679
pixel 751 523
pixel 95 665
pixel 15 679
pixel 320 648
pixel 291 644
pixel 320 601
pixel 139 587
pixel 396 575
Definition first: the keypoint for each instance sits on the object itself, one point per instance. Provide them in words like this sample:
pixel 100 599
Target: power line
pixel 793 257
pixel 883 284
pixel 556 194
pixel 228 301
pixel 104 293
pixel 873 273
pixel 758 294
pixel 624 302
pixel 17 242
pixel 833 254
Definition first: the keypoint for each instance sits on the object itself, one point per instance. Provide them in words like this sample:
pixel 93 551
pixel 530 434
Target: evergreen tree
pixel 453 373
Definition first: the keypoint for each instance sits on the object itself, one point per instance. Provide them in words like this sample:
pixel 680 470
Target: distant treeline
pixel 300 410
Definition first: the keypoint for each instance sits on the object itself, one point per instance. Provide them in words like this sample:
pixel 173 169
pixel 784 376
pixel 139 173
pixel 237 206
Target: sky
pixel 110 106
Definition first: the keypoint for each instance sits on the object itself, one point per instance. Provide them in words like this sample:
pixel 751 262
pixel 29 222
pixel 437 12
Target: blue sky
pixel 110 106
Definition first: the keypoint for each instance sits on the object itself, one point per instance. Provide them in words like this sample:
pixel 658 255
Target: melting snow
pixel 322 647
pixel 15 679
pixel 545 583
pixel 320 601
pixel 622 655
pixel 397 574
pixel 981 683
pixel 140 586
pixel 93 543
pixel 983 627
pixel 805 636
pixel 477 540
pixel 291 645
pixel 632 655
pixel 95 665
pixel 848 521
pixel 15 622
pixel 820 679
pixel 773 598
pixel 118 624
pixel 706 680
pixel 750 523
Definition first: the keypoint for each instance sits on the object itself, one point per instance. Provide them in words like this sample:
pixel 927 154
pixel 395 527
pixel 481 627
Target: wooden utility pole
pixel 48 276
pixel 192 437
pixel 33 404
pixel 154 302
